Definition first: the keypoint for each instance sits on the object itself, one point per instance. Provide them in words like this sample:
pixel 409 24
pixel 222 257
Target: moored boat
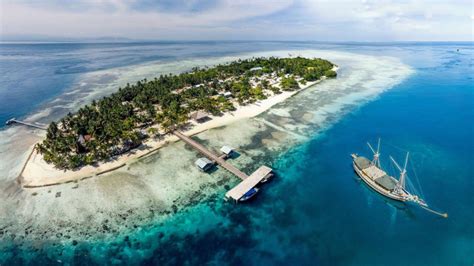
pixel 249 194
pixel 371 172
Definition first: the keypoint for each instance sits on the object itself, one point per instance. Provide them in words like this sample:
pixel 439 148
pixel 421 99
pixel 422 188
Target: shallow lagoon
pixel 314 212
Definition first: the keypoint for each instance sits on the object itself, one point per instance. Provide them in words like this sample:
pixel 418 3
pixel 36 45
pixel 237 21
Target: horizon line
pixel 98 41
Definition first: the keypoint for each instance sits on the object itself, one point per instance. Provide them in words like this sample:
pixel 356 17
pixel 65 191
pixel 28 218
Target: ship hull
pixel 376 187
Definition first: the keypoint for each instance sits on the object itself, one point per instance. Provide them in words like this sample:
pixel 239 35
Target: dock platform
pixel 14 121
pixel 254 179
pixel 248 182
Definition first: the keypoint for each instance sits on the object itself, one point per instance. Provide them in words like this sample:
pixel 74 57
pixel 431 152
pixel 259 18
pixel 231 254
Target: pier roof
pixel 243 187
pixel 227 150
pixel 203 162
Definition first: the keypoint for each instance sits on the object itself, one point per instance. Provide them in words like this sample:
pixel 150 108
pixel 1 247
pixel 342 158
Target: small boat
pixel 249 194
pixel 371 172
pixel 266 178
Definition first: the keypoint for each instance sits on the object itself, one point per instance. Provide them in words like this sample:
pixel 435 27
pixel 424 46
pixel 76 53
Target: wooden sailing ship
pixel 371 172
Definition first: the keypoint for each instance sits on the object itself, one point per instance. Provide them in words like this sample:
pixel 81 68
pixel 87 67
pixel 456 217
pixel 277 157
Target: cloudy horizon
pixel 302 20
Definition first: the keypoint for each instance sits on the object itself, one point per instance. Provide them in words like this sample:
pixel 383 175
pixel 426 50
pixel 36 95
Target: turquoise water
pixel 316 212
pixel 33 74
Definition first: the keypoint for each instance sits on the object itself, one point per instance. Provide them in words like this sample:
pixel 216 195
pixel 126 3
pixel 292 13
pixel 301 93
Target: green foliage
pixel 289 84
pixel 112 124
pixel 257 93
pixel 330 73
pixel 152 131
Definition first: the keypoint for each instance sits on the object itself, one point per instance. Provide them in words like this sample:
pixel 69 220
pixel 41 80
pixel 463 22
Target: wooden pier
pixel 14 121
pixel 262 173
pixel 218 159
pixel 248 182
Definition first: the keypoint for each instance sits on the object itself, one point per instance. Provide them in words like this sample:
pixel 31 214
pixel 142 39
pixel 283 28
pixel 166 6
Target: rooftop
pixel 203 163
pixel 199 115
pixel 256 68
pixel 227 150
pixel 243 187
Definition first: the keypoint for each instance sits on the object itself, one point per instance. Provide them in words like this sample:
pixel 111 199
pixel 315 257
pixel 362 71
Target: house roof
pixel 227 150
pixel 203 162
pixel 198 115
pixel 82 139
pixel 250 182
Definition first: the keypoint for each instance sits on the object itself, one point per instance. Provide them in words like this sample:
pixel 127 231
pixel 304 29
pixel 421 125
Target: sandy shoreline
pixel 163 196
pixel 37 173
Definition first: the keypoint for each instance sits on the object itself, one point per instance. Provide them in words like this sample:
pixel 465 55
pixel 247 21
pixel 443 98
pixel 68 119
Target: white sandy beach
pixel 152 189
pixel 38 173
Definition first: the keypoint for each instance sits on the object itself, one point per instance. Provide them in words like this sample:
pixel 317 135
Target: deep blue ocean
pixel 322 214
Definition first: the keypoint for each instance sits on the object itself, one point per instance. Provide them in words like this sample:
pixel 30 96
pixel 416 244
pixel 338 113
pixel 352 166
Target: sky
pixel 302 20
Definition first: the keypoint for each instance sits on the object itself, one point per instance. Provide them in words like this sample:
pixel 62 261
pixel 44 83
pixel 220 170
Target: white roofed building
pixel 204 164
pixel 256 68
pixel 227 150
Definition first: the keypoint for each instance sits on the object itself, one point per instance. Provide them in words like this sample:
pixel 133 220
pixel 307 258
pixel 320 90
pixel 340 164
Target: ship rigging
pixel 374 176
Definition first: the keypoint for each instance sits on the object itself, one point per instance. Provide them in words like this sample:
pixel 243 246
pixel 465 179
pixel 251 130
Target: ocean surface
pixel 416 97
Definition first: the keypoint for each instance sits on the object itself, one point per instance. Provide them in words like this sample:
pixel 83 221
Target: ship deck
pixel 376 177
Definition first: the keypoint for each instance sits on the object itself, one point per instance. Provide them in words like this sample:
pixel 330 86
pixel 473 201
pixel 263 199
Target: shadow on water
pixel 212 170
pixel 397 205
pixel 234 155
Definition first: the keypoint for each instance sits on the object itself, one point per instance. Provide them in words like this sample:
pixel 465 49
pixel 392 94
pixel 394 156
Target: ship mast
pixel 401 181
pixel 376 160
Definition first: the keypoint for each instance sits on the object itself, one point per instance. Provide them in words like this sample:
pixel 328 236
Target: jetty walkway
pixel 248 182
pixel 14 121
pixel 218 159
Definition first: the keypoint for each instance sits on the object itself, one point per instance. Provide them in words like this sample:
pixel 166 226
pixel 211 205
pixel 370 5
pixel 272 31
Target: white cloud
pixel 239 19
pixel 396 20
pixel 120 20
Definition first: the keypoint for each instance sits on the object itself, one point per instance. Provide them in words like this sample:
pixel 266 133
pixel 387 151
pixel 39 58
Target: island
pixel 137 119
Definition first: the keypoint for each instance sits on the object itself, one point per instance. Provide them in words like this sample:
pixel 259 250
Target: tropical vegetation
pixel 122 121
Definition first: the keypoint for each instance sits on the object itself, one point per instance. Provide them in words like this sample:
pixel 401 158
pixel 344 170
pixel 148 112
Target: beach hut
pixel 200 116
pixel 81 142
pixel 82 139
pixel 204 164
pixel 227 150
